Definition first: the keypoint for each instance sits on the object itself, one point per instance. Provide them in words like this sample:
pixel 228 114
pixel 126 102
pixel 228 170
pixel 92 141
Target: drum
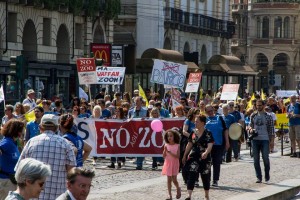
pixel 235 131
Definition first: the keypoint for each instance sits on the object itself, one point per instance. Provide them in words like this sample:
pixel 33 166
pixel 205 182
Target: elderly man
pixel 53 150
pixel 293 113
pixel 79 182
pixel 30 99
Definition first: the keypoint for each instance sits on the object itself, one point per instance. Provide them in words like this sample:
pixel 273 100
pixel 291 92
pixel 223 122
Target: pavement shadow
pixel 235 189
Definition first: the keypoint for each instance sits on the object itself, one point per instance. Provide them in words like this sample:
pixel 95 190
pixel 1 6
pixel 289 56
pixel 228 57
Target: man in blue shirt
pixel 293 113
pixel 138 112
pixel 217 126
pixel 106 114
pixel 163 112
pixel 32 128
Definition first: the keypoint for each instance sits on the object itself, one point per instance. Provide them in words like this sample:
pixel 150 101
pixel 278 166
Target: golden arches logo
pixel 102 55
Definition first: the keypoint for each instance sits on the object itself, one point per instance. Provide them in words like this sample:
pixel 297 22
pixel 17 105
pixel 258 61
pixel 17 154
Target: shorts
pixel 294 132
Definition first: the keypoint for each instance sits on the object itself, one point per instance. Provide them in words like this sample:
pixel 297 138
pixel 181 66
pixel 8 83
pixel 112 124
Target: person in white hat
pixel 30 99
pixel 54 150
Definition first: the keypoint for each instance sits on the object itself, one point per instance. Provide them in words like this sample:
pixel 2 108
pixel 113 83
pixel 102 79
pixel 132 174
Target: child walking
pixel 171 154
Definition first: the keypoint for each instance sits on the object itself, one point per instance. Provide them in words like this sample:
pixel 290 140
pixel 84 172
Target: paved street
pixel 236 178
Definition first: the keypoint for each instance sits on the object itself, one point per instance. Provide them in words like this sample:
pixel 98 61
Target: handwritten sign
pixel 110 75
pixel 230 91
pixel 193 82
pixel 86 69
pixel 168 73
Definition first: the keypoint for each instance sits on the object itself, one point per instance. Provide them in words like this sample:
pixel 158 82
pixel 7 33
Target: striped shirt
pixel 57 152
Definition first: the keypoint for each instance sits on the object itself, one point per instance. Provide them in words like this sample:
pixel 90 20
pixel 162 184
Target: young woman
pixel 197 158
pixel 82 149
pixel 117 101
pixel 19 111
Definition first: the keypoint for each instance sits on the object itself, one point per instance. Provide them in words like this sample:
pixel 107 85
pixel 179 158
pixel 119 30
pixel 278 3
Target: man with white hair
pixel 30 99
pixel 53 150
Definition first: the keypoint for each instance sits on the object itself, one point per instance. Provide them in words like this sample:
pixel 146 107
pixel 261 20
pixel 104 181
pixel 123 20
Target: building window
pixel 12 27
pixel 47 31
pixel 265 27
pixel 278 27
pixel 286 25
pixel 78 36
pixel 258 27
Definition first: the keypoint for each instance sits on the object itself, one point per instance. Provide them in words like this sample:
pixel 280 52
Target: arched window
pixel 261 60
pixel 280 60
pixel 265 27
pixel 278 27
pixel 258 27
pixel 286 27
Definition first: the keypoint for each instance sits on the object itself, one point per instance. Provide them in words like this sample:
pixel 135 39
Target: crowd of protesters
pixel 203 141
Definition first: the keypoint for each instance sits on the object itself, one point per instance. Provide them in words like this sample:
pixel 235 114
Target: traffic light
pixel 271 77
pixel 19 66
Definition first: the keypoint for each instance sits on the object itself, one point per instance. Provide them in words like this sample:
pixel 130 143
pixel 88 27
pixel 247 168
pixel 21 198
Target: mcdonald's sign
pixel 102 51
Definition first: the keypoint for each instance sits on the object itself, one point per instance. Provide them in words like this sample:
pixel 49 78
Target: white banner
pixel 230 92
pixel 168 73
pixel 285 93
pixel 110 75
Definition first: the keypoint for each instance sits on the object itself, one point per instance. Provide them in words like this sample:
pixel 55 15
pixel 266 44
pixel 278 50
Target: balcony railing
pixel 198 23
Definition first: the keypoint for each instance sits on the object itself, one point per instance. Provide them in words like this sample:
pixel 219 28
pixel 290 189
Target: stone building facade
pixel 51 41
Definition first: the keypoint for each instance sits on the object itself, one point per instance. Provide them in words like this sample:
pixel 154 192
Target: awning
pixel 124 38
pixel 229 65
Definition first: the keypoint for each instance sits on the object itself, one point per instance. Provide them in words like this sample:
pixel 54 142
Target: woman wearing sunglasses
pixel 30 175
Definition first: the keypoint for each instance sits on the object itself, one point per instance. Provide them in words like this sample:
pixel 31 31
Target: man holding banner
pixel 138 112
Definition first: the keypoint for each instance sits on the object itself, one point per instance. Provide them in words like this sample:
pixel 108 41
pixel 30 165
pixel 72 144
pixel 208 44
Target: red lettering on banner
pixel 133 137
pixel 117 74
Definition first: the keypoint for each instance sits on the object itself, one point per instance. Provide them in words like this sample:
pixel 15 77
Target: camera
pixel 253 134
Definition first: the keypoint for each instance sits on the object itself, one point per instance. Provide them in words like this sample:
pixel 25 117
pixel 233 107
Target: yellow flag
pixel 263 96
pixel 30 116
pixel 201 94
pixel 249 105
pixel 142 94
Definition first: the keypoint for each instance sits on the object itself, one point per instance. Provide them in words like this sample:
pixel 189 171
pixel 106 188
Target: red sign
pixel 102 51
pixel 194 78
pixel 86 69
pixel 125 138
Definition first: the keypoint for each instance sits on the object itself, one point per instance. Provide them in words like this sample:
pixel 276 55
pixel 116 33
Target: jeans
pixel 234 146
pixel 216 156
pixel 263 147
pixel 139 161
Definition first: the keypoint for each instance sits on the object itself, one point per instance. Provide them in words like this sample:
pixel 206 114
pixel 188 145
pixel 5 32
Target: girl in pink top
pixel 171 164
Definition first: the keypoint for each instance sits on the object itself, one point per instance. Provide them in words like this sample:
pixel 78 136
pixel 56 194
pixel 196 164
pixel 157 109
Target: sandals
pixel 178 195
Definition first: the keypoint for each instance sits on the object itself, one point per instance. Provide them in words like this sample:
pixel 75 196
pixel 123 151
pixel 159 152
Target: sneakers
pixel 258 181
pixel 139 168
pixel 112 165
pixel 119 165
pixel 215 184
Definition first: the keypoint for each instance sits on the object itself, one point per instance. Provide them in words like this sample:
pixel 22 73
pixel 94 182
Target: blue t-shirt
pixel 190 124
pixel 214 125
pixel 78 143
pixel 229 119
pixel 237 115
pixel 164 113
pixel 84 115
pixel 9 157
pixel 106 113
pixel 296 110
pixel 32 130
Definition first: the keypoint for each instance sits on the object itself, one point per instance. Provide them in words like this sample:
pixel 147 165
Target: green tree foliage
pixel 112 9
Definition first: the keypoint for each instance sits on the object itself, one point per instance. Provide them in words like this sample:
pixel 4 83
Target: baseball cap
pixel 30 91
pixel 49 120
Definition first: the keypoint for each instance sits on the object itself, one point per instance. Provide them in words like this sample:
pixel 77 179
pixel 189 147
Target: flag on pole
pixel 2 98
pixel 82 94
pixel 142 94
pixel 30 116
pixel 249 105
pixel 262 94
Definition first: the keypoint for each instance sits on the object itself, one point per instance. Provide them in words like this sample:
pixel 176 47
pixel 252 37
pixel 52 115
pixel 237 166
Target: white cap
pixel 49 120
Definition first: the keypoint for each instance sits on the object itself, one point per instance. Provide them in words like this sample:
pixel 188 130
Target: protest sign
pixel 230 92
pixel 285 93
pixel 124 138
pixel 168 73
pixel 86 69
pixel 193 82
pixel 110 75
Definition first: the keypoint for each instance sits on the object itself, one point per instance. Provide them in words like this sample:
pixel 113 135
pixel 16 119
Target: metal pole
pixel 281 136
